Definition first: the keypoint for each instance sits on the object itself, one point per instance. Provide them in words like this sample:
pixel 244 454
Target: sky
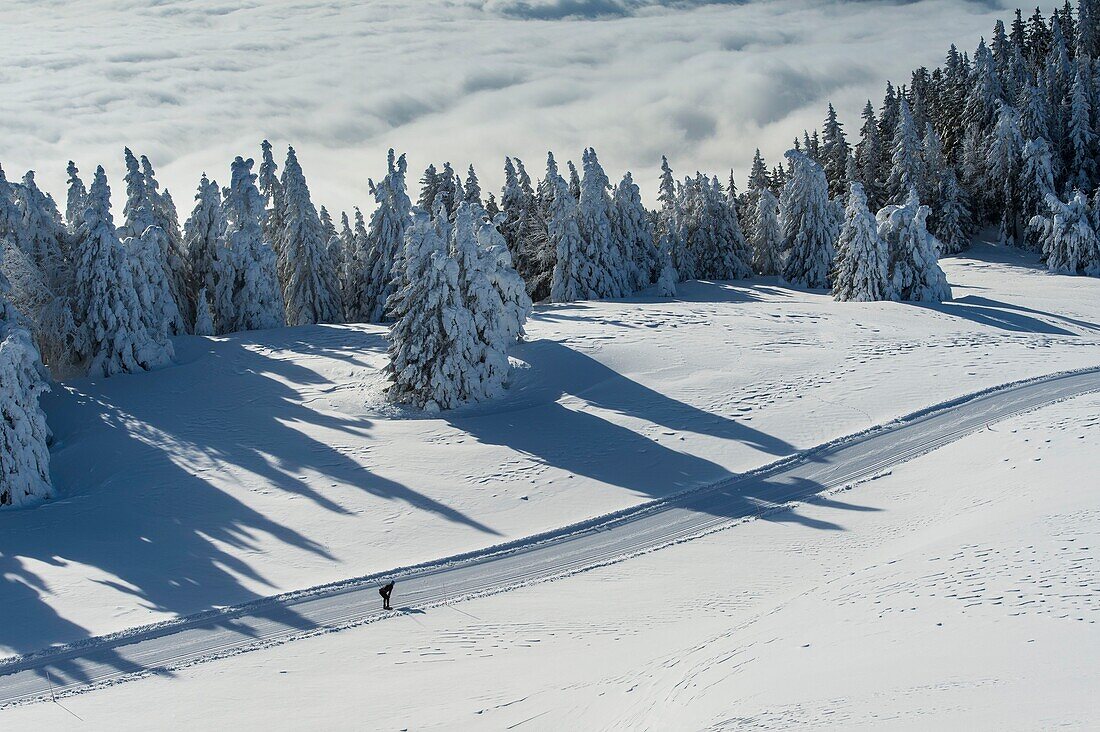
pixel 193 83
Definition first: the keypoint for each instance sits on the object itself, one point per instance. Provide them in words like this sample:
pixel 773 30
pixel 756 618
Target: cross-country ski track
pixel 160 648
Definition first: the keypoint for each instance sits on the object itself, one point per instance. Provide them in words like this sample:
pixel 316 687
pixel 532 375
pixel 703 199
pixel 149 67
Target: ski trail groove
pixel 176 644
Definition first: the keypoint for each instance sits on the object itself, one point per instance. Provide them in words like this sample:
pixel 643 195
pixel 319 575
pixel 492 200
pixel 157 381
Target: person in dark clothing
pixel 385 591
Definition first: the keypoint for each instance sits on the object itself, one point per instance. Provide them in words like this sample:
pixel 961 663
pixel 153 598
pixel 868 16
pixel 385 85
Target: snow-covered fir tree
pixel 497 265
pixel 435 353
pixel 160 278
pixel 524 227
pixel 47 315
pixel 249 296
pixel 159 315
pixel 167 218
pixel 1004 163
pixel 1068 239
pixel 605 254
pixel 310 289
pixel 1036 183
pixel 204 319
pixel 76 198
pixel 915 273
pixel 834 153
pixel 203 238
pixel 952 224
pixel 807 222
pixel 24 436
pixel 116 339
pixel 472 189
pixel 481 298
pixel 380 275
pixel 767 237
pixel 670 230
pixel 906 170
pixel 573 268
pixel 860 272
pixel 631 226
pixel 713 234
pixel 271 189
pixel 42 233
pixel 1080 136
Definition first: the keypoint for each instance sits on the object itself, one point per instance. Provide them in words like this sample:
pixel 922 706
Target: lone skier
pixel 385 591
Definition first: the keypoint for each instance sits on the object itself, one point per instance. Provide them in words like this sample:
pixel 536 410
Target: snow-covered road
pixel 158 649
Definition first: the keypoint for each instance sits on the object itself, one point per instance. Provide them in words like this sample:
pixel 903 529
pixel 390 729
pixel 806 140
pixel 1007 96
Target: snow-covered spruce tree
pixel 43 235
pixel 952 225
pixel 148 254
pixel 167 218
pixel 381 272
pixel 334 251
pixel 272 191
pixel 204 319
pixel 310 289
pixel 472 189
pixel 667 277
pixel 429 187
pixel 860 273
pixel 573 268
pixel 1036 183
pixel 767 237
pixel 574 180
pixel 594 218
pixel 434 348
pixel 869 158
pixel 497 264
pixel 712 232
pixel 116 339
pixel 446 197
pixel 834 153
pixel 807 222
pixel 525 227
pixel 75 201
pixel 631 226
pixel 340 249
pixel 481 298
pixel 158 313
pixel 670 226
pixel 915 274
pixel 355 257
pixel 24 436
pixel 48 316
pixel 1080 137
pixel 203 238
pixel 1069 241
pixel 249 295
pixel 1004 164
pixel 746 202
pixel 906 170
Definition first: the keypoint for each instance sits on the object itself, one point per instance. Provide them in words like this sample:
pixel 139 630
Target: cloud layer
pixel 192 83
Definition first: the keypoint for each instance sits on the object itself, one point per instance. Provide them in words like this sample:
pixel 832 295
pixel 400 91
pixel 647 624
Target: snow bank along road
pixel 161 648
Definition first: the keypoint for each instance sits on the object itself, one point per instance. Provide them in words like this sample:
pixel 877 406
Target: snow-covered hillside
pixel 957 592
pixel 270 461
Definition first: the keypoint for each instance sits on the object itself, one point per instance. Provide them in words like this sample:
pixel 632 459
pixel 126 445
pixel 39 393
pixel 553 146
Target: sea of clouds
pixel 192 83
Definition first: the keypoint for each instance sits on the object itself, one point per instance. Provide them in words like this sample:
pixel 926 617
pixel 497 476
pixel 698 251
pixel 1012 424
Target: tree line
pixel 1006 138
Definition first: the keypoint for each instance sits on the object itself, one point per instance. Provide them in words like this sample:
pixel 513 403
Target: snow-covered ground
pixel 269 461
pixel 961 591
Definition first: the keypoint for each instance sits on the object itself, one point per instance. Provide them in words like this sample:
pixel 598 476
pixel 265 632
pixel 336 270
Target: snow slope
pixel 269 462
pixel 653 526
pixel 958 592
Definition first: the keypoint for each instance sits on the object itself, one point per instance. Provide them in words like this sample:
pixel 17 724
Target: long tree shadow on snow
pixel 577 440
pixel 161 530
pixel 1004 316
